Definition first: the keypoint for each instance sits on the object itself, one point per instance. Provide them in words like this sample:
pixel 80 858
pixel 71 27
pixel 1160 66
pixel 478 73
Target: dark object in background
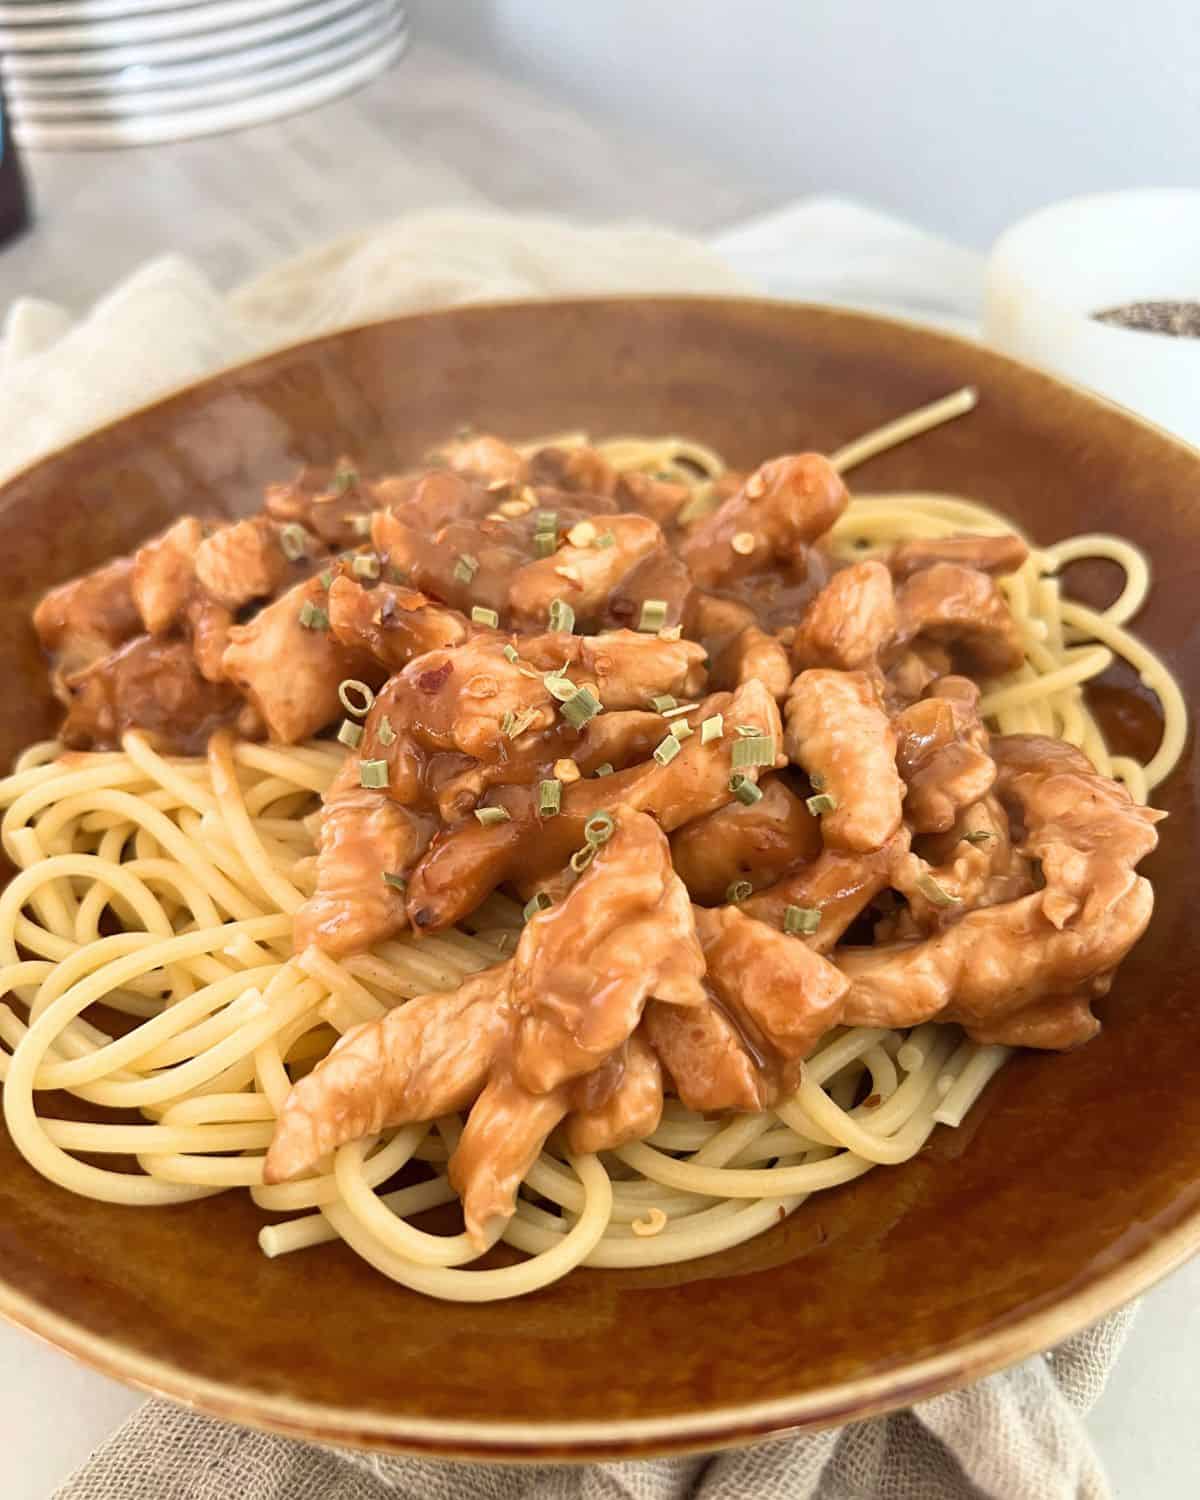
pixel 1180 320
pixel 14 200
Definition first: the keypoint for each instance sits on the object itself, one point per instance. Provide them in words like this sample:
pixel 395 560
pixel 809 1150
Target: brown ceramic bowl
pixel 1072 1187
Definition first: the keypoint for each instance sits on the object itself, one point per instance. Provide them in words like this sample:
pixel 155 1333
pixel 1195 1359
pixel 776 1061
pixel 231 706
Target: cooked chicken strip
pixel 660 499
pixel 990 554
pixel 973 864
pixel 428 501
pixel 484 457
pixel 783 507
pixel 850 621
pixel 964 609
pixel 391 622
pixel 756 843
pixel 332 501
pixel 706 1057
pixel 84 619
pixel 291 671
pixel 838 731
pixel 942 755
pixel 575 469
pixel 754 655
pixel 584 576
pixel 463 563
pixel 164 575
pixel 628 668
pixel 244 561
pixel 630 1112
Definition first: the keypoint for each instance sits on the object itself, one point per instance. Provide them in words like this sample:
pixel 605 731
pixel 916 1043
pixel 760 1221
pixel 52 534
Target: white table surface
pixel 436 132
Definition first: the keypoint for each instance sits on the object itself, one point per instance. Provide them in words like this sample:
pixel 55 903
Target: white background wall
pixel 960 114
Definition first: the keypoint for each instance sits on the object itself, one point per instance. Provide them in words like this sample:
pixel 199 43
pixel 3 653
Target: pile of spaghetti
pixel 147 964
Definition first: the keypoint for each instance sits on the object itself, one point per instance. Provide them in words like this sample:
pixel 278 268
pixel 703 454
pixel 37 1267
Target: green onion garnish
pixel 466 568
pixel 562 616
pixel 599 828
pixel 545 520
pixel 559 687
pixel 801 921
pixel 490 816
pixel 545 543
pixel 666 751
pixel 350 734
pixel 360 525
pixel 712 728
pixel 583 857
pixel 513 725
pixel 745 731
pixel 540 901
pixel 605 770
pixel 482 616
pixel 758 750
pixel 397 882
pixel 682 730
pixel 932 891
pixel 344 479
pixel 366 566
pixel 818 781
pixel 549 797
pixel 821 803
pixel 387 735
pixel 355 697
pixel 373 773
pixel 670 633
pixel 294 541
pixel 605 539
pixel 979 836
pixel 511 654
pixel 663 702
pixel 580 708
pixel 325 579
pixel 312 617
pixel 745 790
pixel 738 890
pixel 653 616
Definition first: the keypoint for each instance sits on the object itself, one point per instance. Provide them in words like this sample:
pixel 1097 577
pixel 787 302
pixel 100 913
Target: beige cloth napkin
pixel 1016 1436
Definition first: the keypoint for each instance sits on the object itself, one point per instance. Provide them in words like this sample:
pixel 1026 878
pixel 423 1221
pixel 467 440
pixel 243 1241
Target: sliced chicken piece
pixel 990 554
pixel 628 667
pixel 150 685
pixel 575 469
pixel 754 656
pixel 164 575
pixel 779 988
pixel 838 886
pixel 209 625
pixel 971 865
pixel 620 740
pixel 914 670
pixel 290 666
pixel 781 509
pixel 333 501
pixel 245 561
pixel 660 499
pixel 484 457
pixel 426 1058
pixel 465 563
pixel 756 843
pixel 942 755
pixel 850 621
pixel 630 1112
pixel 716 621
pixel 838 731
pixel 964 609
pixel 430 500
pixel 583 576
pixel 1085 830
pixel 661 578
pixel 82 620
pixel 709 1063
pixel 364 837
pixel 392 623
pixel 995 964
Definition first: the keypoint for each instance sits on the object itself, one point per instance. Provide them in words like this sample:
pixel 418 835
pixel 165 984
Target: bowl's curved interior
pixel 1073 1167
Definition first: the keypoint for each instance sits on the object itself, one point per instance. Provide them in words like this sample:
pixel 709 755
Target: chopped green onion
pixel 466 568
pixel 559 687
pixel 979 836
pixel 653 616
pixel 366 567
pixel 355 697
pixel 387 735
pixel 490 816
pixel 360 525
pixel 549 798
pixel 666 751
pixel 682 730
pixel 312 617
pixel 545 520
pixel 663 702
pixel 482 616
pixel 605 539
pixel 745 731
pixel 583 857
pixel 680 708
pixel 745 790
pixel 712 728
pixel 545 543
pixel 325 579
pixel 344 479
pixel 397 882
pixel 350 734
pixel 511 654
pixel 932 891
pixel 294 541
pixel 605 770
pixel 758 750
pixel 818 781
pixel 562 616
pixel 821 803
pixel 373 773
pixel 582 707
pixel 540 901
pixel 802 921
pixel 670 633
pixel 738 890
pixel 599 828
pixel 513 725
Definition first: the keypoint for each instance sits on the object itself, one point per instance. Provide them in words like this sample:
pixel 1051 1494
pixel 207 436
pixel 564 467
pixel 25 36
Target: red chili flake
pixel 432 681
